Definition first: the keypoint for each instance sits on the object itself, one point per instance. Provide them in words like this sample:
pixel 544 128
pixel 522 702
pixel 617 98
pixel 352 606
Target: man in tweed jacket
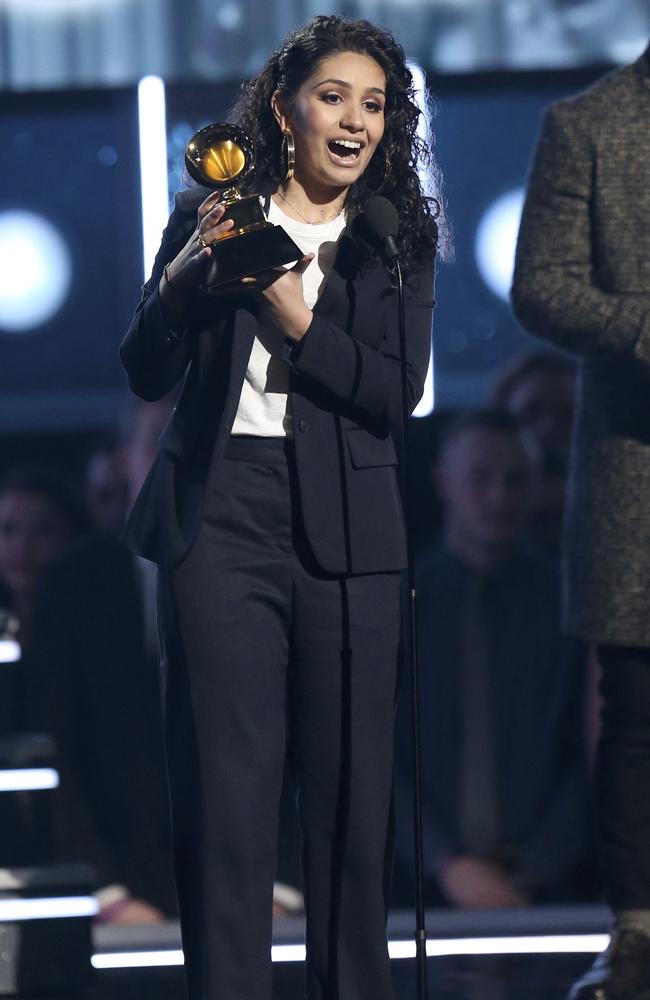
pixel 582 281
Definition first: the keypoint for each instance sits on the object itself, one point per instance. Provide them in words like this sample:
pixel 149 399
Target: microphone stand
pixel 410 661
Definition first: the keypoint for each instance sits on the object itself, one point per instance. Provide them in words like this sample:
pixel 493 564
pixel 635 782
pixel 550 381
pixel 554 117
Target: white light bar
pixel 9 651
pixel 28 779
pixel 426 404
pixel 47 909
pixel 550 944
pixel 153 165
pixel 288 953
pixel 138 959
pixel 533 944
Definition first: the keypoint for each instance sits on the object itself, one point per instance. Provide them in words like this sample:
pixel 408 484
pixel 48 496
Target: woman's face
pixel 337 119
pixel 32 531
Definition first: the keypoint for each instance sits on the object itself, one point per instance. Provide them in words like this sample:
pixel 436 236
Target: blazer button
pixel 303 426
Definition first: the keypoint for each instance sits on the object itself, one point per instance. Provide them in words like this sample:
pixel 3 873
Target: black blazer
pixel 345 401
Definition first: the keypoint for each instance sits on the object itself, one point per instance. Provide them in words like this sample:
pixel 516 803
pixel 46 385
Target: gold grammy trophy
pixel 221 157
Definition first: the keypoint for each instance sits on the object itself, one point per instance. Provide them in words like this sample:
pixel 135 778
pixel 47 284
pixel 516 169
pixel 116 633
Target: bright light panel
pixel 138 959
pixel 28 779
pixel 35 270
pixel 9 651
pixel 12 910
pixel 496 242
pixel 553 944
pixel 153 165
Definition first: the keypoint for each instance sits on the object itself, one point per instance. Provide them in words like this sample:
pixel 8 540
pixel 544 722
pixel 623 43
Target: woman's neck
pixel 310 205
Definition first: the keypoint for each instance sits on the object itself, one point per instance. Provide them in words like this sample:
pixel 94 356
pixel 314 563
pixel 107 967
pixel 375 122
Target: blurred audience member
pixel 505 781
pixel 40 516
pixel 106 485
pixel 539 390
pixel 96 687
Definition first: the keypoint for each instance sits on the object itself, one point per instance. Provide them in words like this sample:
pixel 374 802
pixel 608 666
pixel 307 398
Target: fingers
pixel 206 206
pixel 264 278
pixel 211 227
pixel 303 263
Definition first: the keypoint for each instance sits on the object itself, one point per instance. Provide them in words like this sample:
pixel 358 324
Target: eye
pixel 331 98
pixel 373 106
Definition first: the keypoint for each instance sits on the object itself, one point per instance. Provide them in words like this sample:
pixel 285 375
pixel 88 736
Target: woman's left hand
pixel 280 292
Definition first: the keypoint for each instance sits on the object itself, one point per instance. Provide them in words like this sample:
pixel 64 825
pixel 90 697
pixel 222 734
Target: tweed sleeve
pixel 555 294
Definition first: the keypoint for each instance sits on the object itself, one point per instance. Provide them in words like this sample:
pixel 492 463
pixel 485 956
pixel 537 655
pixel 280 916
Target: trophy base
pixel 248 254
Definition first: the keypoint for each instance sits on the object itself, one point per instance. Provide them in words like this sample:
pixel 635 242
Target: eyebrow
pixel 344 83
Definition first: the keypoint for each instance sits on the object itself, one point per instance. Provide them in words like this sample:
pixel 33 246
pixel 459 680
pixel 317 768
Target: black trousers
pixel 623 777
pixel 267 655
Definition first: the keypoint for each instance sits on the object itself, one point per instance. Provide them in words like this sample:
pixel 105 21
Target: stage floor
pixel 514 955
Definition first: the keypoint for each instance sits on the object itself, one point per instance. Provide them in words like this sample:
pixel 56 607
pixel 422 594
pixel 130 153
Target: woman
pixel 273 511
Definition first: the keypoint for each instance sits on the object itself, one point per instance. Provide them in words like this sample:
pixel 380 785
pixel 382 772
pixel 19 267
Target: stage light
pixel 60 7
pixel 153 165
pixel 28 779
pixel 138 959
pixel 532 944
pixel 35 270
pixel 542 944
pixel 496 240
pixel 230 16
pixel 57 908
pixel 9 650
pixel 427 403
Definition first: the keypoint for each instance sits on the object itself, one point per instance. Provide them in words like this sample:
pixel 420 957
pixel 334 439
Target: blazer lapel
pixel 337 299
pixel 243 335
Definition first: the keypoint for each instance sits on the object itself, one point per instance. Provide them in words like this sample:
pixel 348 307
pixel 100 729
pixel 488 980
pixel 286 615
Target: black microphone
pixel 378 226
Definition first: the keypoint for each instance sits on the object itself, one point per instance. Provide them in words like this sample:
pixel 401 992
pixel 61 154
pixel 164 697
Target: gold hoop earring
pixel 288 154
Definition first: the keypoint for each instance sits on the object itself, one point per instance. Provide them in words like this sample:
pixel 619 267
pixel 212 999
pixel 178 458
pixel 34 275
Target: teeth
pixel 348 143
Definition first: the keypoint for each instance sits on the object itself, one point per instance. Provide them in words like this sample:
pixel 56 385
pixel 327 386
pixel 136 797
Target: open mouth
pixel 345 150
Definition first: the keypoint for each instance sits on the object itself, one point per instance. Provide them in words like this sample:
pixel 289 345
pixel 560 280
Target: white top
pixel 264 403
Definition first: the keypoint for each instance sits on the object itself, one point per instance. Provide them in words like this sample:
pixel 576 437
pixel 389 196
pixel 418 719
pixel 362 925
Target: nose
pixel 351 119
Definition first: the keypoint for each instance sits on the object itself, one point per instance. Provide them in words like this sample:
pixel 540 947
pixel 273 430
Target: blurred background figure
pixel 539 390
pixel 506 799
pixel 94 684
pixel 106 484
pixel 41 516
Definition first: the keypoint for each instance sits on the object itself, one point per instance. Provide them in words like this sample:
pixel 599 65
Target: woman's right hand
pixel 186 270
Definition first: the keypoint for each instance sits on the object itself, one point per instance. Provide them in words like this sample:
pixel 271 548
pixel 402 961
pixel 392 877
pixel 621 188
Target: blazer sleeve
pixel 554 292
pixel 154 355
pixel 366 378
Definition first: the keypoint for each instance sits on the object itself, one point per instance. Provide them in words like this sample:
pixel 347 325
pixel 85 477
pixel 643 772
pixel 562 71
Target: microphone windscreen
pixel 380 220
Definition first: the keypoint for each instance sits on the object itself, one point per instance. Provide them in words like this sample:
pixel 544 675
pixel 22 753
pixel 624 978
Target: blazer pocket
pixel 369 452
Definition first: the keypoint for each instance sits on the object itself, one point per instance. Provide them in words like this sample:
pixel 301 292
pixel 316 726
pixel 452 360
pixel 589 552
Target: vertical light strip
pixel 153 165
pixel 426 404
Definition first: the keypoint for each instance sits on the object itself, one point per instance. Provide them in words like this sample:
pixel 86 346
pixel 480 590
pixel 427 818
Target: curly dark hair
pixel 401 148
